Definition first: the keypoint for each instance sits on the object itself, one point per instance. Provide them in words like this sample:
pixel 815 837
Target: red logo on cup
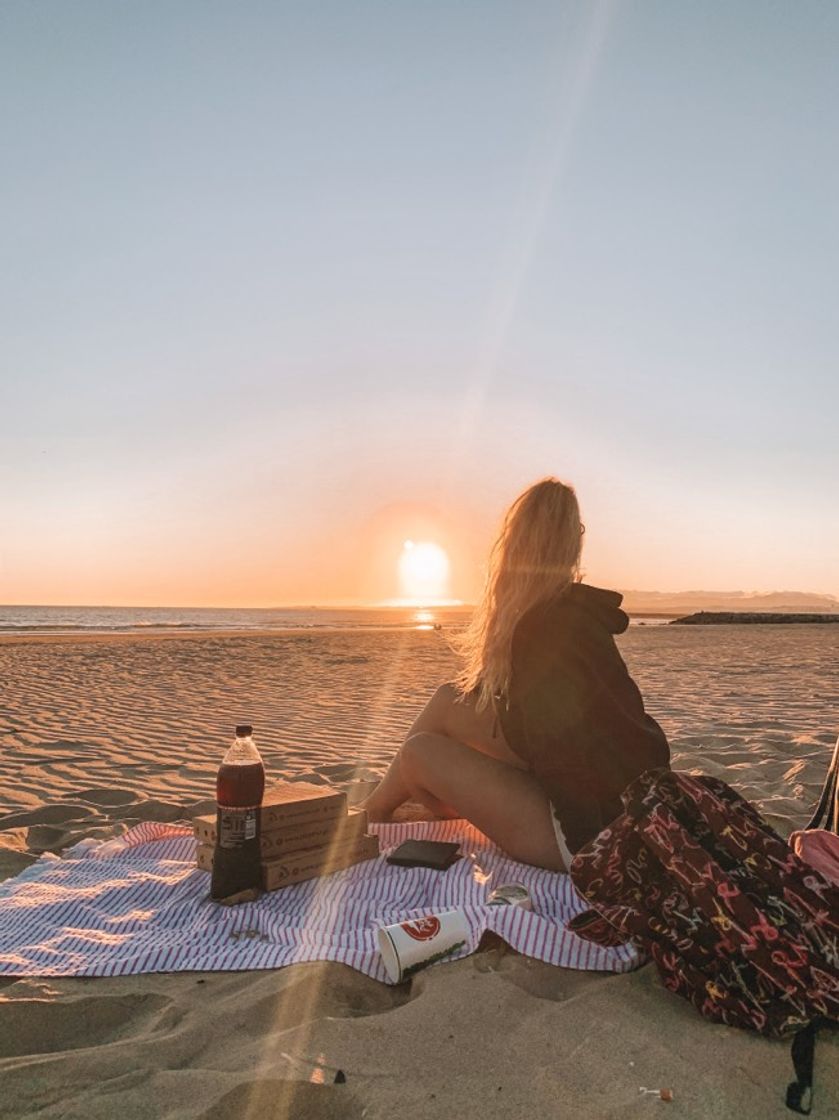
pixel 423 929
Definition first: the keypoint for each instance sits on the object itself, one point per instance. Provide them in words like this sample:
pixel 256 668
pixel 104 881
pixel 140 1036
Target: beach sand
pixel 98 733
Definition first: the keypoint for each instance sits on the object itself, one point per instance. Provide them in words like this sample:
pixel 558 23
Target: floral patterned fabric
pixel 734 920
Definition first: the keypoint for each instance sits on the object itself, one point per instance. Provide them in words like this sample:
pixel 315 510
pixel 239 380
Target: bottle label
pixel 235 826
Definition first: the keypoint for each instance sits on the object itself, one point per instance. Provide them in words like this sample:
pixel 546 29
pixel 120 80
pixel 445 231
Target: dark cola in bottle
pixel 239 787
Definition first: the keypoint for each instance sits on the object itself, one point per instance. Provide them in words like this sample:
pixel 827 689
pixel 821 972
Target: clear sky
pixel 285 284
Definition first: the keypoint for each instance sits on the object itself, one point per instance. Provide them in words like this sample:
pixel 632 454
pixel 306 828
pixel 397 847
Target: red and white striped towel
pixel 138 904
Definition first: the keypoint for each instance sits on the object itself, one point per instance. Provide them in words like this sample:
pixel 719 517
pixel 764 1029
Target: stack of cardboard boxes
pixel 306 831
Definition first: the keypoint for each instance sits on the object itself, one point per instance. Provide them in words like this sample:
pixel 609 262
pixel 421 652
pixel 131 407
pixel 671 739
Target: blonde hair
pixel 536 554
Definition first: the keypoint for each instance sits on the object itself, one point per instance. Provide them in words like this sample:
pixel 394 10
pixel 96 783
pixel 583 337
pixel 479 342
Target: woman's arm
pixel 554 694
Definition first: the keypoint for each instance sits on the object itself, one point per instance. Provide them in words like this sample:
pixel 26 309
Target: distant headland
pixel 676 604
pixel 717 618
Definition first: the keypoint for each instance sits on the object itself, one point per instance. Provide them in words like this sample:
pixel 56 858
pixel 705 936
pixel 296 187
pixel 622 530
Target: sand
pixel 98 733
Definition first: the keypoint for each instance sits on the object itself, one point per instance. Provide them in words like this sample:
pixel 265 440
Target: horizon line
pixel 396 603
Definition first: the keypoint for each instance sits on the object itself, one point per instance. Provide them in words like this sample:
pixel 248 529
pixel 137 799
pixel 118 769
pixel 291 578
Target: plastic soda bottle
pixel 239 787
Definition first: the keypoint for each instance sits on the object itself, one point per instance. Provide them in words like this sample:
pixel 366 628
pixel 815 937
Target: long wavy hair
pixel 536 554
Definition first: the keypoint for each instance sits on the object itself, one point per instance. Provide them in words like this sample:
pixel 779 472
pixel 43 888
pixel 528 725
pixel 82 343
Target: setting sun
pixel 423 571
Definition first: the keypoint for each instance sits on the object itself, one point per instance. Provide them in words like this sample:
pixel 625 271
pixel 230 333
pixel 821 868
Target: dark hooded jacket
pixel 573 712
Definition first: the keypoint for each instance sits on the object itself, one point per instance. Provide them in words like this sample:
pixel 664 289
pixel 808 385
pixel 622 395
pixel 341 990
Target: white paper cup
pixel 418 942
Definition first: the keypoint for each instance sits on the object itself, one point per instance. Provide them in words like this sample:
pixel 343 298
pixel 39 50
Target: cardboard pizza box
pixel 308 833
pixel 309 864
pixel 288 805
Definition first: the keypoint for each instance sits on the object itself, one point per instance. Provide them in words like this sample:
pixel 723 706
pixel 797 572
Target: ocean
pixel 107 620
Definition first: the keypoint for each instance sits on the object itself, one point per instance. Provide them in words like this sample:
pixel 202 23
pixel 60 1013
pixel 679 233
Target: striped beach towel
pixel 139 904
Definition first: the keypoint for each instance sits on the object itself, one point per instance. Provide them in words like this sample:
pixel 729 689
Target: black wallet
pixel 424 853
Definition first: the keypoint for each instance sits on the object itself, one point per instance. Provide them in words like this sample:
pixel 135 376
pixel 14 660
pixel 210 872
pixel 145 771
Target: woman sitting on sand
pixel 544 727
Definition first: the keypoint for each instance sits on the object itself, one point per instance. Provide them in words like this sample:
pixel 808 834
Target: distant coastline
pixel 722 618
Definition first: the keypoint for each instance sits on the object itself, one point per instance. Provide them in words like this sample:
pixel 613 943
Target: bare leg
pixel 505 802
pixel 450 715
pixel 457 763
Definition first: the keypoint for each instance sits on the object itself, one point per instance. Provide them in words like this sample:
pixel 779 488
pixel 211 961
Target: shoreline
pixel 68 636
pixel 10 637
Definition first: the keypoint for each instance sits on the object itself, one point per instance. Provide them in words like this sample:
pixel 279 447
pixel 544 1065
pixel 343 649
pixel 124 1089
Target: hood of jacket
pixel 597 603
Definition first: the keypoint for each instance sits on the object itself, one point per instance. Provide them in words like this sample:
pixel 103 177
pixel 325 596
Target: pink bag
pixel 820 849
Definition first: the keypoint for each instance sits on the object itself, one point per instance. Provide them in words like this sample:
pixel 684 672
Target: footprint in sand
pixel 13 861
pixel 46 814
pixel 322 992
pixel 106 797
pixel 49 838
pixel 164 812
pixel 41 1026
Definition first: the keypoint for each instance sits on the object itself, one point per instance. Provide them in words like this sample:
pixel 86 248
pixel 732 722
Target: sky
pixel 285 285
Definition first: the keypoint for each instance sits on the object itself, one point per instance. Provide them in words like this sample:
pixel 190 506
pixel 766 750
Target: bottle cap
pixel 243 729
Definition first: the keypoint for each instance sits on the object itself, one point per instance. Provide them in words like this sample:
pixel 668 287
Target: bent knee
pixel 417 755
pixel 444 696
pixel 437 714
pixel 413 751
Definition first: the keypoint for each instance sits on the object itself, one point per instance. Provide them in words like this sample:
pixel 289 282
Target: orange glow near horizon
pixel 319 555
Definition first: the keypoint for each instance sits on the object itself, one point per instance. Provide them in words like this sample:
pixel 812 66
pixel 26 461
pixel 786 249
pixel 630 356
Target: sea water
pixel 106 620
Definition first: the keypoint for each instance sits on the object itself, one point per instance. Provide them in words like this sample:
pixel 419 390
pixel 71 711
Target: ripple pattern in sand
pixel 757 706
pixel 152 718
pixel 123 730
